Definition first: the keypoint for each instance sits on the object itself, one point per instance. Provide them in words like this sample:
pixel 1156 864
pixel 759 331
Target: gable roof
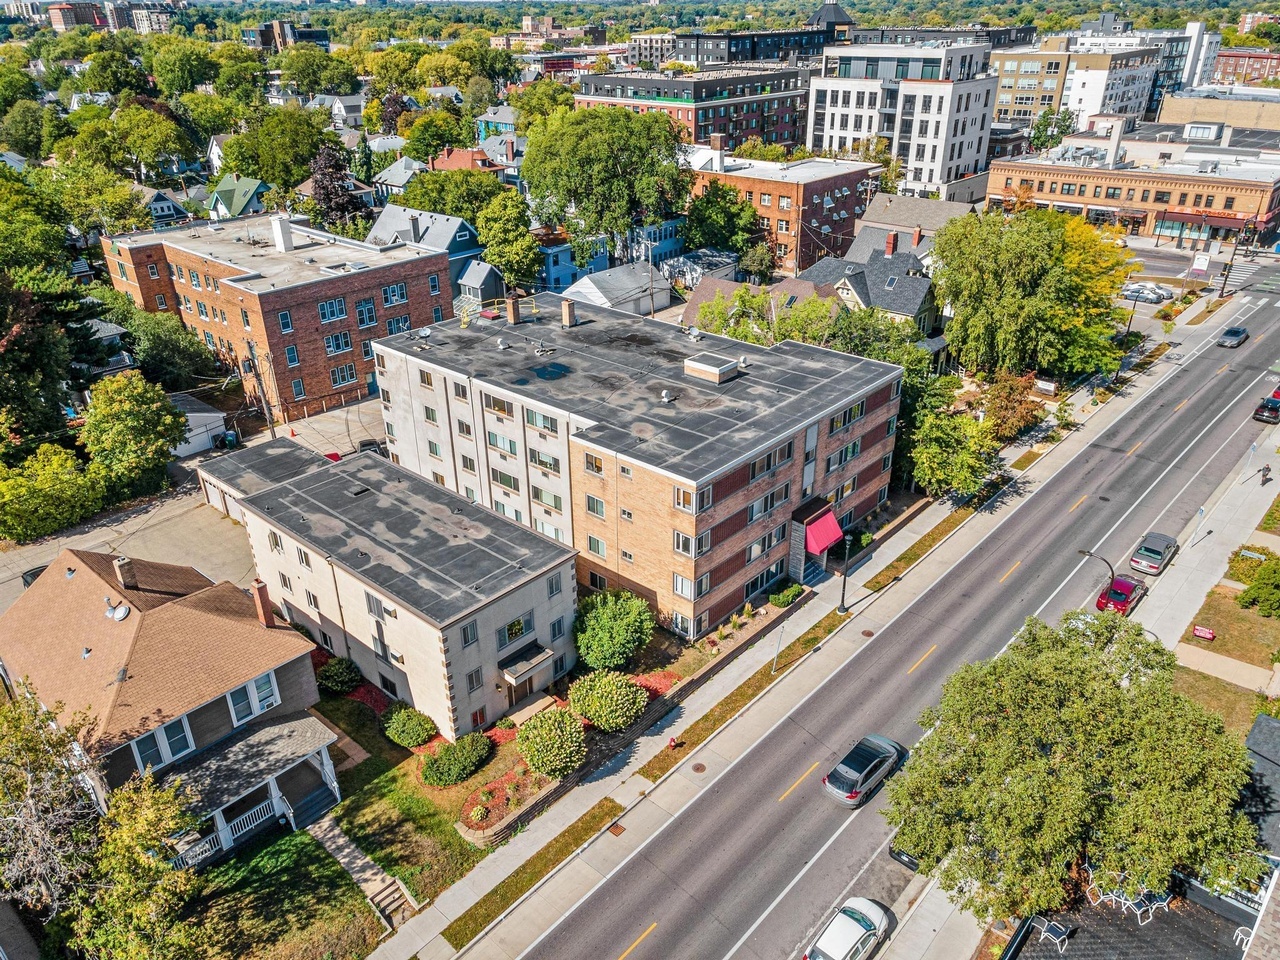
pixel 183 642
pixel 870 282
pixel 236 193
pixel 894 210
pixel 399 173
pixel 617 285
pixel 786 293
pixel 386 143
pixel 495 147
pixel 828 15
pixel 307 187
pixel 477 273
pixel 435 231
pixel 870 243
pixel 500 114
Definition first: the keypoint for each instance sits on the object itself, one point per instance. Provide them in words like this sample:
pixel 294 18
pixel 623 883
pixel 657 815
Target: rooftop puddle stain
pixel 551 371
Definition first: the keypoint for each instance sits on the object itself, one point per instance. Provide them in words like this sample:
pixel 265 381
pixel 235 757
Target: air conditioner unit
pixel 390 612
pixel 396 655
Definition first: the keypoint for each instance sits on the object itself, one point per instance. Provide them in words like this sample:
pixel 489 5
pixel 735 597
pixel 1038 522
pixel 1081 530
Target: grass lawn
pixel 1242 634
pixel 489 907
pixel 1271 522
pixel 1026 460
pixel 1234 704
pixel 284 898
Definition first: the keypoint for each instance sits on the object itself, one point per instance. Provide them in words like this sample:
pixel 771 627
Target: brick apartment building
pixel 65 17
pixel 807 207
pixel 304 304
pixel 693 470
pixel 749 100
pixel 1245 65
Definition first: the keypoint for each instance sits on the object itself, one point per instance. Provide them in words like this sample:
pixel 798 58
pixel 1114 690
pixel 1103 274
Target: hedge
pixel 408 727
pixel 338 677
pixel 553 743
pixel 454 762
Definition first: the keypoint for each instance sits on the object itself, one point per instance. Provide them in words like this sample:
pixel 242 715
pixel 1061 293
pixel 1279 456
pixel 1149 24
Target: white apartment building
pixel 441 602
pixel 931 101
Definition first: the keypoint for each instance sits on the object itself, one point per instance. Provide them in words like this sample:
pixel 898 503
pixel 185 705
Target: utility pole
pixel 1226 274
pixel 262 390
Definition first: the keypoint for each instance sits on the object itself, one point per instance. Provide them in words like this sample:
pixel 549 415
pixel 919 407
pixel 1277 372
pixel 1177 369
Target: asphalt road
pixel 743 872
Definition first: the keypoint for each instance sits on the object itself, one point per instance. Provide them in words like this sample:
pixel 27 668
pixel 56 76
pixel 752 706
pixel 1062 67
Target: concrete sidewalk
pixel 931 926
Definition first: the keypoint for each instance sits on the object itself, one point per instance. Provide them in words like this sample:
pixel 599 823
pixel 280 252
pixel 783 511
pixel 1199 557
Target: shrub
pixel 408 727
pixel 553 743
pixel 454 762
pixel 1264 591
pixel 1065 415
pixel 302 629
pixel 1009 406
pixel 506 723
pixel 478 814
pixel 338 677
pixel 785 598
pixel 48 491
pixel 748 611
pixel 608 699
pixel 611 627
pixel 1244 569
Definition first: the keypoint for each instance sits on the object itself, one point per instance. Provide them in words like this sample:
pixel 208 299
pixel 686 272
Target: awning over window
pixel 1227 220
pixel 821 532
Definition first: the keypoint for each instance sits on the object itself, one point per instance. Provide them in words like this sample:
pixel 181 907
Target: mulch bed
pixel 366 693
pixel 657 683
pixel 506 794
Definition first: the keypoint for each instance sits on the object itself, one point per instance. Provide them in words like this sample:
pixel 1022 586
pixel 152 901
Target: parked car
pixel 852 934
pixel 1121 595
pixel 1141 295
pixel 1156 550
pixel 29 576
pixel 1233 337
pixel 372 446
pixel 1275 394
pixel 1268 410
pixel 863 768
pixel 1160 288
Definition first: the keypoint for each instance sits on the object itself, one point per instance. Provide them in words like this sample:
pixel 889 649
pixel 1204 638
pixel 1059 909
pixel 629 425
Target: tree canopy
pixel 721 218
pixel 1050 128
pixel 279 147
pixel 1104 763
pixel 130 430
pixel 538 101
pixel 503 229
pixel 455 193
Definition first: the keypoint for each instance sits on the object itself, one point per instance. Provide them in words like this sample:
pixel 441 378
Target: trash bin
pixel 229 439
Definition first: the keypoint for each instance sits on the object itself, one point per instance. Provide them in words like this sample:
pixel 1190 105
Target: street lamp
pixel 1204 222
pixel 1089 553
pixel 1234 249
pixel 844 574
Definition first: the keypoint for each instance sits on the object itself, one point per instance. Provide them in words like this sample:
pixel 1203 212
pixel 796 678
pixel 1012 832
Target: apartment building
pixel 1245 65
pixel 276 35
pixel 143 16
pixel 693 470
pixel 1250 20
pixel 932 103
pixel 65 17
pixel 717 49
pixel 653 49
pixel 807 207
pixel 441 602
pixel 1256 108
pixel 1054 75
pixel 994 37
pixel 293 309
pixel 752 100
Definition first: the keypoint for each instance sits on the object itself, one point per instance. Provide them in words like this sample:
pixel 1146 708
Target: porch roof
pixel 243 761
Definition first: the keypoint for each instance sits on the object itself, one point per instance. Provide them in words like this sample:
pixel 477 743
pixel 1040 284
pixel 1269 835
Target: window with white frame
pixel 398 324
pixel 597 546
pixel 337 343
pixel 682 586
pixel 163 746
pixel 274 541
pixel 475 679
pixel 291 355
pixel 286 583
pixel 304 558
pixel 153 271
pixel 595 506
pixel 470 633
pixel 286 322
pixel 375 607
pixel 847 416
pixel 553 586
pixel 299 391
pixel 254 698
pixel 544 461
pixel 433 283
pixel 842 456
pixel 340 376
pixel 313 601
pixel 161 302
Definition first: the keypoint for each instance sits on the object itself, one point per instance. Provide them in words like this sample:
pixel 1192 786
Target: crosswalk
pixel 1242 270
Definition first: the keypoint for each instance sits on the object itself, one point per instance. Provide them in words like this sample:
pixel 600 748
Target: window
pixel 470 633
pixel 517 629
pixel 547 498
pixel 208 339
pixel 842 456
pixel 684 499
pixel 460 391
pixel 304 558
pixel 1162 196
pixel 767 542
pixel 153 271
pixel 702 586
pixel 298 391
pixel 374 606
pixel 464 429
pixel 548 530
pixel 682 543
pixel 124 274
pixel 254 698
pixel 335 309
pixel 773 498
pixel 847 416
pixel 597 581
pixel 478 718
pixel 291 355
pixel 764 578
pixel 896 390
pixel 593 464
pixel 161 302
pixel 772 460
pixel 540 421
pixel 475 680
pixel 886 462
pixel 202 309
pixel 544 461
pixel 274 542
pixel 505 444
pixel 503 408
pixel 557 630
pixel 891 426
pixel 195 280
pixel 312 601
pixel 388 686
pixel 162 746
pixel 628 556
pixel 468 464
pixel 285 583
pixel 437 314
pixel 596 545
pixel 682 586
pixel 393 294
pixel 337 343
pixel 433 448
pixel 433 283
pixel 366 350
pixel 625 514
pixel 339 376
pixel 504 480
pixel 424 378
pixel 702 544
pixel 553 587
pixel 595 506
pixel 397 325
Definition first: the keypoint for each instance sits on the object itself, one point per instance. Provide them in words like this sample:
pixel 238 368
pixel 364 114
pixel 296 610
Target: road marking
pixel 1016 566
pixel 1181 405
pixel 1258 338
pixel 922 659
pixel 844 894
pixel 1223 367
pixel 626 953
pixel 1077 503
pixel 800 781
pixel 1133 449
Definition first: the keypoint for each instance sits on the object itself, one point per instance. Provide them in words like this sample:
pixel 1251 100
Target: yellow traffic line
pixel 922 659
pixel 1181 405
pixel 1011 569
pixel 1077 503
pixel 1133 449
pixel 626 953
pixel 800 781
pixel 1224 367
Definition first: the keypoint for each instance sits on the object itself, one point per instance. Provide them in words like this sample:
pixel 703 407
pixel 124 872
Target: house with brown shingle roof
pixel 192 679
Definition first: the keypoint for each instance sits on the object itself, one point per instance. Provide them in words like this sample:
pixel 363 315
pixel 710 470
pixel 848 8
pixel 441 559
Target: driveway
pixel 339 430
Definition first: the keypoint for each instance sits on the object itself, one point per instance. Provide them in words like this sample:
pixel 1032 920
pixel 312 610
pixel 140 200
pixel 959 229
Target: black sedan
pixel 1268 411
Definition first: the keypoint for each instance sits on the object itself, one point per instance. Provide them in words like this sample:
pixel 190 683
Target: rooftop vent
pixel 710 367
pixel 84 654
pixel 357 491
pixel 502 344
pixel 667 396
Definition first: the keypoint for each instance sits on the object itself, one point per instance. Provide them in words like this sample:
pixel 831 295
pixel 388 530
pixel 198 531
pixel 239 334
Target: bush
pixel 408 727
pixel 506 723
pixel 608 699
pixel 338 677
pixel 785 598
pixel 1243 569
pixel 611 627
pixel 47 492
pixel 454 762
pixel 1264 591
pixel 478 814
pixel 553 743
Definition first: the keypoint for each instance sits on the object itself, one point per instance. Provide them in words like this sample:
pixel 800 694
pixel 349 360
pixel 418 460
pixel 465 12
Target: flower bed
pixel 505 795
pixel 366 693
pixel 657 683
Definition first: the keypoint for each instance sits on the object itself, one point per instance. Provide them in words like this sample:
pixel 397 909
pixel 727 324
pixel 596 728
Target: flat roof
pixel 612 369
pixel 263 465
pixel 810 170
pixel 1244 139
pixel 246 243
pixel 1230 166
pixel 735 72
pixel 433 550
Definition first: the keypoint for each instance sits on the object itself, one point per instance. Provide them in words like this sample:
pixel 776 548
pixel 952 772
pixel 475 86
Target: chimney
pixel 263 603
pixel 513 310
pixel 916 237
pixel 1227 131
pixel 1113 145
pixel 891 243
pixel 282 232
pixel 413 227
pixel 717 153
pixel 235 178
pixel 568 316
pixel 126 576
pixel 511 149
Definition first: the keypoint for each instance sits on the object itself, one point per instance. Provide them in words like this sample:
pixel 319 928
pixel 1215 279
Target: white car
pixel 852 934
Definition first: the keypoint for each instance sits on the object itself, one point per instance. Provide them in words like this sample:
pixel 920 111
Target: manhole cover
pixel 868 633
pixel 1105 499
pixel 617 829
pixel 699 768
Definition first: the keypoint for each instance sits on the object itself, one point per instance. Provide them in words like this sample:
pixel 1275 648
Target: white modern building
pixel 932 102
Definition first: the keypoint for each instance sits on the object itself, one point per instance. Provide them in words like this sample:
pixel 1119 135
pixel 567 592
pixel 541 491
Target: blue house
pixel 659 243
pixel 495 121
pixel 559 271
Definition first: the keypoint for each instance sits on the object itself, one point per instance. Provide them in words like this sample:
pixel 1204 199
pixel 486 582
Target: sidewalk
pixel 931 926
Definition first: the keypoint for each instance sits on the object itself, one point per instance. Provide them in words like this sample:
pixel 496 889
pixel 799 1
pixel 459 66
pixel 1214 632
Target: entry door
pixel 517 692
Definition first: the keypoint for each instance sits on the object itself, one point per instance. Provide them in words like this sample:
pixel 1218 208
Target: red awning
pixel 821 532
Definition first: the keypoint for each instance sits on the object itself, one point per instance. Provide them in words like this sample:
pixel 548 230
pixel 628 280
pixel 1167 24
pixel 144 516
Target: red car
pixel 1275 394
pixel 1121 595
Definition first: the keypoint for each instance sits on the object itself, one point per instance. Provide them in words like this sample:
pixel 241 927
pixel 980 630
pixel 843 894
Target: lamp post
pixel 1226 274
pixel 844 574
pixel 1204 221
pixel 1089 553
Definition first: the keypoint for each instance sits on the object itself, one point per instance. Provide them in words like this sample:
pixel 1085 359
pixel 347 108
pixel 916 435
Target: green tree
pixel 313 71
pixel 112 72
pixel 503 229
pixel 609 699
pixel 15 85
pixel 553 743
pixel 478 96
pixel 538 101
pixel 604 170
pixel 47 817
pixel 757 262
pixel 62 301
pixel 92 197
pixel 1050 128
pixel 208 114
pixel 279 147
pixel 1105 762
pixel 432 132
pixel 754 148
pixel 952 452
pixel 602 65
pixel 455 193
pixel 182 65
pixel 241 81
pixel 362 162
pixel 130 430
pixel 879 150
pixel 53 127
pixel 23 129
pixel 610 627
pixel 151 140
pixel 441 69
pixel 34 365
pixel 132 908
pixel 96 142
pixel 721 218
pixel 167 352
pixel 47 492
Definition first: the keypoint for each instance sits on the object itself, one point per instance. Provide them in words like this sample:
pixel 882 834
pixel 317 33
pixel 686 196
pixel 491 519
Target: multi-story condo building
pixel 276 35
pixel 1250 20
pixel 1256 108
pixel 693 470
pixel 752 100
pixel 1054 75
pixel 994 37
pixel 654 49
pixel 1186 56
pixel 1189 184
pixel 293 310
pixel 1245 65
pixel 706 50
pixel 931 103
pixel 144 16
pixel 807 207
pixel 444 604
pixel 65 17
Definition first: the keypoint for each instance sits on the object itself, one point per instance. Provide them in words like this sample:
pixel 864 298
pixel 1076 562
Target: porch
pixel 278 770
